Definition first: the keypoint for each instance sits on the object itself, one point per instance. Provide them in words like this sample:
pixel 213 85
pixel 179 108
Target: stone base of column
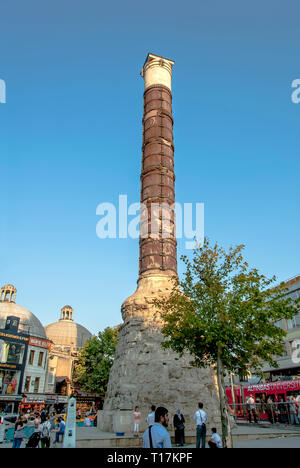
pixel 144 374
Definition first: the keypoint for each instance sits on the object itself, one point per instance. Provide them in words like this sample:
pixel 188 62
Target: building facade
pixel 67 339
pixel 289 365
pixel 24 350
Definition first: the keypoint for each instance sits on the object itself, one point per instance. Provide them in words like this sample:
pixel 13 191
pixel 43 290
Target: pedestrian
pixel 60 430
pixel 151 416
pixel 87 422
pixel 215 441
pixel 178 423
pixel 201 419
pixel 19 434
pixel 282 409
pixel 37 422
pixel 250 405
pixel 293 410
pixel 270 411
pixel 43 415
pixel 137 420
pixel 157 436
pixel 298 404
pixel 52 421
pixel 45 430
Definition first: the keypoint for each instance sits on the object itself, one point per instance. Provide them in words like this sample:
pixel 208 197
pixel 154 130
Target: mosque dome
pixel 29 323
pixel 66 332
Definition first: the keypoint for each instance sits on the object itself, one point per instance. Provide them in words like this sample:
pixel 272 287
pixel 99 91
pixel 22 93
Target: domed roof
pixel 67 333
pixel 29 323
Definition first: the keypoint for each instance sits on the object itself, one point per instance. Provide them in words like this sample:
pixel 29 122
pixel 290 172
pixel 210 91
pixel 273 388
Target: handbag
pixel 180 427
pixel 20 434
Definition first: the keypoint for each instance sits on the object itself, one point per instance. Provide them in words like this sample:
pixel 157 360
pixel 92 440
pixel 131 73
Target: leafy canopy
pixel 222 306
pixel 95 361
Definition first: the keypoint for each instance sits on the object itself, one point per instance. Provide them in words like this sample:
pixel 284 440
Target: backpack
pixel 45 430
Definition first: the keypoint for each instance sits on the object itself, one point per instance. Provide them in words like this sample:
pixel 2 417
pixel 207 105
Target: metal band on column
pixel 158 253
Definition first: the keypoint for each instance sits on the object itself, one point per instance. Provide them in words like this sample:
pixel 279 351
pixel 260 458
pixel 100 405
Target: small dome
pixel 29 323
pixel 67 313
pixel 8 293
pixel 67 333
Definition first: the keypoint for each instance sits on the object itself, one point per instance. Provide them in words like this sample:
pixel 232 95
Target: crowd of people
pixel 44 424
pixel 277 409
pixel 157 436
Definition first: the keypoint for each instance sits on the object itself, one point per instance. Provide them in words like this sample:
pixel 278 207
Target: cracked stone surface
pixel 144 374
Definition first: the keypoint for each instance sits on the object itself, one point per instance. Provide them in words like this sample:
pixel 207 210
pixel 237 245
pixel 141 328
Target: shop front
pixel 36 403
pixel 13 355
pixel 10 377
pixel 9 404
pixel 87 403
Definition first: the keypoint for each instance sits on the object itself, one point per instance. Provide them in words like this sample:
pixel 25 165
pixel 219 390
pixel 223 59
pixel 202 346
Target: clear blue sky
pixel 71 134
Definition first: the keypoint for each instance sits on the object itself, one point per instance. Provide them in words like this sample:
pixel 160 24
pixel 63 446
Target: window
pixel 294 347
pixel 11 353
pixel 15 353
pixel 36 384
pixel 31 357
pixel 41 357
pixel 279 324
pixel 294 322
pixel 27 384
pixel 52 377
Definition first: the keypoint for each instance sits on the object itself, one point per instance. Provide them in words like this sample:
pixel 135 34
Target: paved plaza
pixel 245 436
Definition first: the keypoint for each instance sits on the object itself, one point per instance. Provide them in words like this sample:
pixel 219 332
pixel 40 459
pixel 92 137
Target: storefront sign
pixel 32 400
pixel 39 343
pixel 42 398
pixel 62 399
pixel 14 337
pixel 10 366
pixel 275 386
pixel 10 398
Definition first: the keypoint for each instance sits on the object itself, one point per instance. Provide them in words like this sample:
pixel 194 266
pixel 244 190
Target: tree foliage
pixel 224 313
pixel 95 361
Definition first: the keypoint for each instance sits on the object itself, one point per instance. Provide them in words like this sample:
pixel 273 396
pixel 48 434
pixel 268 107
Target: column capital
pixel 157 71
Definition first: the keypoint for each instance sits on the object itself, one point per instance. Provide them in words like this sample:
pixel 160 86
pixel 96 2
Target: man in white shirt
pixel 151 416
pixel 250 405
pixel 201 419
pixel 157 436
pixel 45 432
pixel 298 403
pixel 215 441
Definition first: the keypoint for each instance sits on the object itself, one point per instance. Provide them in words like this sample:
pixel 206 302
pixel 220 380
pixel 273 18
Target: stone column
pixel 158 246
pixel 158 252
pixel 143 373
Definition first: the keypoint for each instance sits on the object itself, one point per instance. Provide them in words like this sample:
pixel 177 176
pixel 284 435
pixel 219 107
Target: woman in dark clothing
pixel 178 423
pixel 282 411
pixel 19 434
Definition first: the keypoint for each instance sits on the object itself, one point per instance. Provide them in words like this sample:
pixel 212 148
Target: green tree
pixel 224 315
pixel 95 360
